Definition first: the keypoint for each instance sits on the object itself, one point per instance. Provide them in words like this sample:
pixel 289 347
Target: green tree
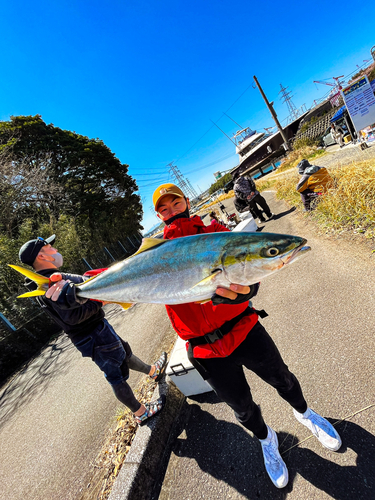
pixel 93 186
pixel 219 184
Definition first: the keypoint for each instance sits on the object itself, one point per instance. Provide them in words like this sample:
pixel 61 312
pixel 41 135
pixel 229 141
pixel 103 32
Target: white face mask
pixel 57 259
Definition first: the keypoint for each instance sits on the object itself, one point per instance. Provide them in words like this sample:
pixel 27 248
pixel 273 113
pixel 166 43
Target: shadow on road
pixel 341 482
pixel 283 214
pixel 275 217
pixel 112 311
pixel 34 378
pixel 228 453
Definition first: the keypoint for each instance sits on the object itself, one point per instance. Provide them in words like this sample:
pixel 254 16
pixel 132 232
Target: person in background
pixel 338 134
pixel 215 219
pixel 84 322
pixel 244 189
pixel 222 208
pixel 314 182
pixel 224 335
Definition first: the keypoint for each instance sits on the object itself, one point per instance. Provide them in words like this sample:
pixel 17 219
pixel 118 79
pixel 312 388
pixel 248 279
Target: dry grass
pixel 294 157
pixel 348 206
pixel 222 197
pixel 351 204
pixel 113 454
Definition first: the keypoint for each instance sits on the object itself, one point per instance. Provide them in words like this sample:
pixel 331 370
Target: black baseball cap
pixel 29 251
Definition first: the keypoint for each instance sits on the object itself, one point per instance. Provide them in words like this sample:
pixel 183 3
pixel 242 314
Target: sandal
pixel 160 366
pixel 152 409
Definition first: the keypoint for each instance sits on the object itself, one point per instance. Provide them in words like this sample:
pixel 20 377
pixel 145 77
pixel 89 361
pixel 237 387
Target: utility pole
pixel 274 116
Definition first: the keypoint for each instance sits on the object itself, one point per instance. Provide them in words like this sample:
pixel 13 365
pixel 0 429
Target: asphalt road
pixel 55 415
pixel 321 315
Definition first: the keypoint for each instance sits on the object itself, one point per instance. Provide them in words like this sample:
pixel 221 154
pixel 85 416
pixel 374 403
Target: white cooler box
pixel 183 373
pixel 247 223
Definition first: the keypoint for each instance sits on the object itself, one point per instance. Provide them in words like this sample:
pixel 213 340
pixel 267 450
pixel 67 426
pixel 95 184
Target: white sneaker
pixel 275 465
pixel 320 427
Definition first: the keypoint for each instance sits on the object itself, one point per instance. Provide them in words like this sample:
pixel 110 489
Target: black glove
pixel 240 299
pixel 68 298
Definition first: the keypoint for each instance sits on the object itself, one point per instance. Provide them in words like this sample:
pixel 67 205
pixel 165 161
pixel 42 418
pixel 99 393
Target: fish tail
pixel 40 280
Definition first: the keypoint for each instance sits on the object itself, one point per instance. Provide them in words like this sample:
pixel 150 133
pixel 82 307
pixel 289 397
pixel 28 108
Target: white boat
pixel 246 139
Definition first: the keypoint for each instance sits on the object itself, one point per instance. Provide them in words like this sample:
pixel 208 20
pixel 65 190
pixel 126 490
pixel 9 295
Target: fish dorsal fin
pixel 89 279
pixel 148 243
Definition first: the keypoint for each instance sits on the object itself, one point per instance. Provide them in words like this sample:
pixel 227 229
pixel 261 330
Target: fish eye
pixel 271 252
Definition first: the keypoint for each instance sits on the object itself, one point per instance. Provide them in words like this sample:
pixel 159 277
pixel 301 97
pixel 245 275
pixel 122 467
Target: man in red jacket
pixel 224 335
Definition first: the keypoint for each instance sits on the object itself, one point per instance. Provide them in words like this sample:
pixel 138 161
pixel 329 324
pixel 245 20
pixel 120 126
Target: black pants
pixel 309 199
pixel 259 354
pixel 255 210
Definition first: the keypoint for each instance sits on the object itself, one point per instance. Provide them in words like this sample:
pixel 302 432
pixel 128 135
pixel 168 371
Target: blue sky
pixel 147 77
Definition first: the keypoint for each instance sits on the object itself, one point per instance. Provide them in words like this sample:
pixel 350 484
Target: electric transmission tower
pixel 293 113
pixel 183 184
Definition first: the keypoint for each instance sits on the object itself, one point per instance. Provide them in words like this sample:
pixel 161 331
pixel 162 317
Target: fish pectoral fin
pixel 148 243
pixel 208 280
pixel 34 293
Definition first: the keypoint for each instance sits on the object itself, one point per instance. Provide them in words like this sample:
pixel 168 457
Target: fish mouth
pixel 296 253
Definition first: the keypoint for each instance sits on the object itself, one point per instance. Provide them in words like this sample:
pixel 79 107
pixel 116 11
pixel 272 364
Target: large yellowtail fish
pixel 187 269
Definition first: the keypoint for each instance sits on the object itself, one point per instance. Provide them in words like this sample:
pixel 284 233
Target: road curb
pixel 137 477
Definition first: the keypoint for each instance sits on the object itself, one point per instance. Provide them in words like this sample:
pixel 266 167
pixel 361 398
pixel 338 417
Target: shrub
pixel 295 156
pixel 305 141
pixel 348 205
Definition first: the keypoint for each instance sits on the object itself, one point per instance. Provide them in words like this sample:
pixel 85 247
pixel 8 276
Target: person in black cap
pixel 84 323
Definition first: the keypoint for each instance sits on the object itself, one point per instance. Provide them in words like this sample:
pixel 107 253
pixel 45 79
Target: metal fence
pixel 317 128
pixel 21 312
pixel 24 326
pixel 119 250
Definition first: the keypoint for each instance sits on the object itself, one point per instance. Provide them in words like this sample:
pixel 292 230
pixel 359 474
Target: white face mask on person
pixel 57 259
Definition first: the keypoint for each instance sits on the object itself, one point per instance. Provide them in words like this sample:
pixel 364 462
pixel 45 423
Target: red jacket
pixel 195 320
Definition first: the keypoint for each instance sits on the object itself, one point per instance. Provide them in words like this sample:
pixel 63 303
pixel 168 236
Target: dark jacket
pixel 195 320
pixel 243 187
pixel 240 205
pixel 78 320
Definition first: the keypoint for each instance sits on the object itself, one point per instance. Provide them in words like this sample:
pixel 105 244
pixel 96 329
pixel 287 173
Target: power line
pixel 212 163
pixel 224 112
pixel 152 173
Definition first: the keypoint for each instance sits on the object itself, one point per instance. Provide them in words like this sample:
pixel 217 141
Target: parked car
pixel 228 186
pixel 327 138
